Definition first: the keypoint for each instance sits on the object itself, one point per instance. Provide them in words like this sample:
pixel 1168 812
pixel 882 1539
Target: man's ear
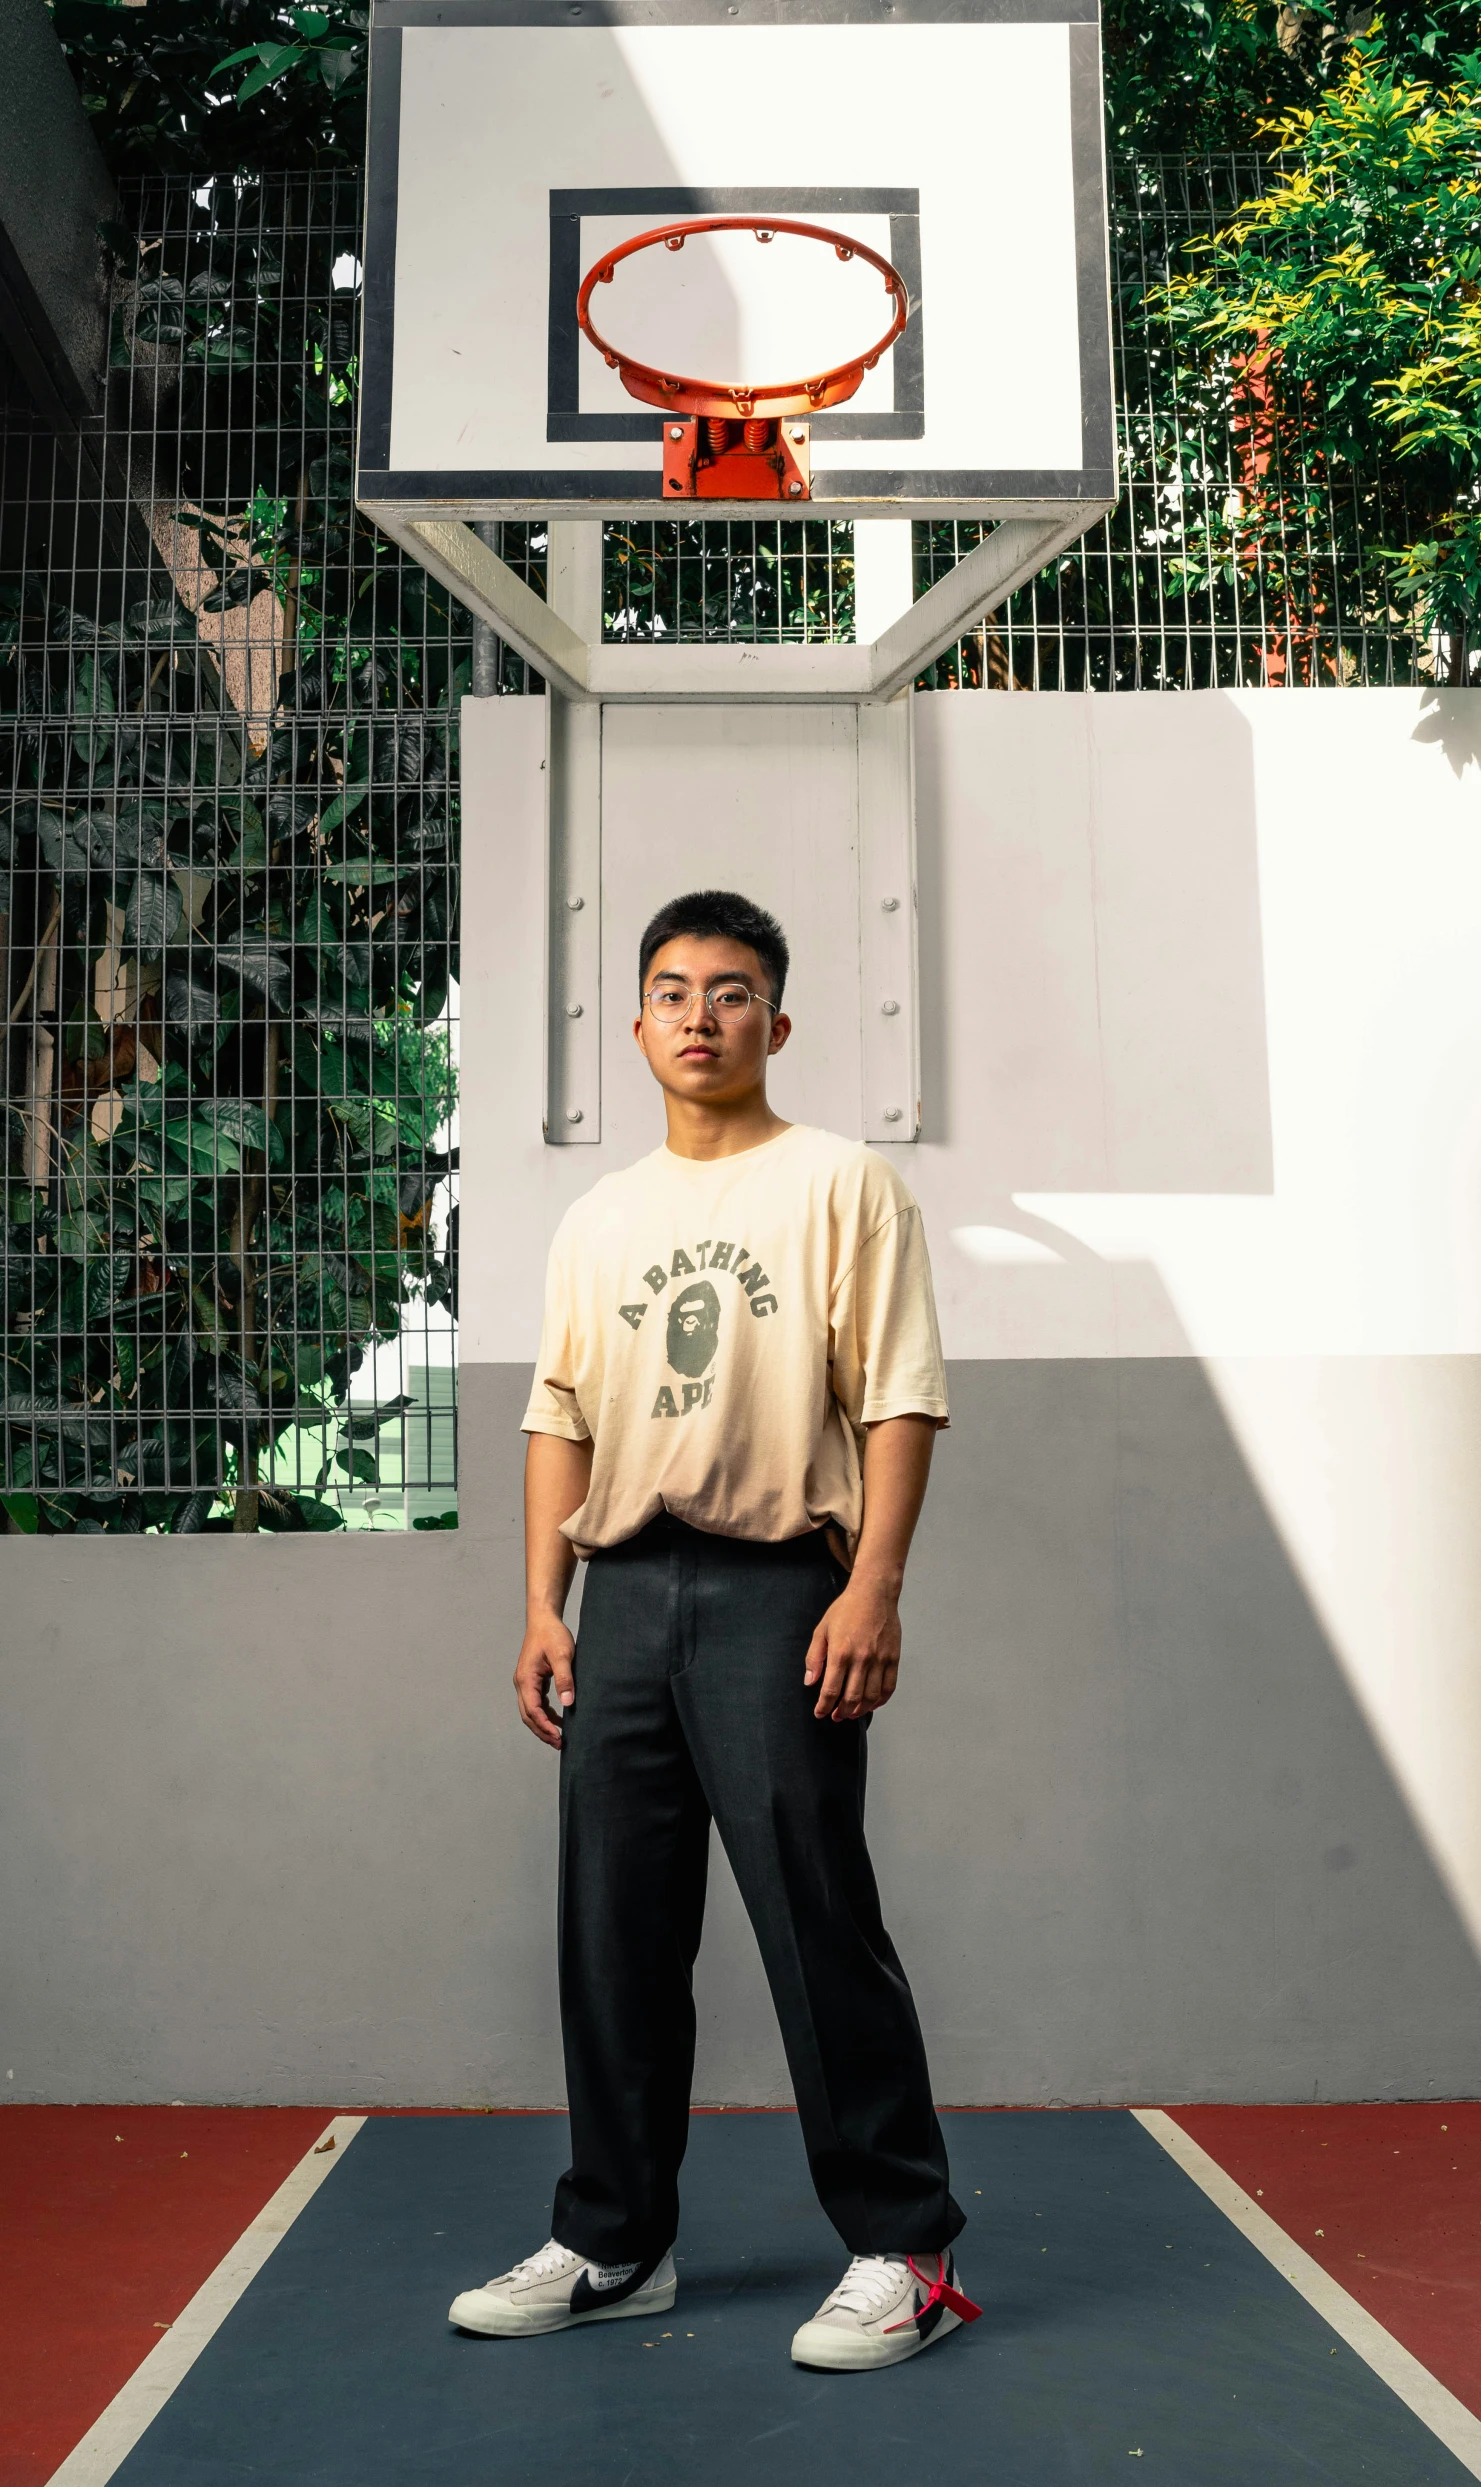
pixel 781 1029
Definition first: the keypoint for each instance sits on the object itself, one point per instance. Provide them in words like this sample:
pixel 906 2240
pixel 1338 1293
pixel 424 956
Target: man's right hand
pixel 545 1657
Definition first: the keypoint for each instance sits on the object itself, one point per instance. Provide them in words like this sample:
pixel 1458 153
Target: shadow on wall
pixel 1453 720
pixel 1134 1837
pixel 1183 1860
pixel 274 1831
pixel 1199 1875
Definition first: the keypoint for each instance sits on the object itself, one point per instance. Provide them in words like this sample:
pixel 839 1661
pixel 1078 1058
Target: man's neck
pixel 703 1131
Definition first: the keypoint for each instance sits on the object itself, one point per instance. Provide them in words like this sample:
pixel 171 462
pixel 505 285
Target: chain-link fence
pixel 228 737
pixel 1233 557
pixel 228 832
pixel 774 580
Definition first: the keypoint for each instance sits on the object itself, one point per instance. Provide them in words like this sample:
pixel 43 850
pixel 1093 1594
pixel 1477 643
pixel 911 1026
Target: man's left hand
pixel 856 1651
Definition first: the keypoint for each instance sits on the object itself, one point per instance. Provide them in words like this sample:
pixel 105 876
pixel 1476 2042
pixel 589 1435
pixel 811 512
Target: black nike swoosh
pixel 585 2299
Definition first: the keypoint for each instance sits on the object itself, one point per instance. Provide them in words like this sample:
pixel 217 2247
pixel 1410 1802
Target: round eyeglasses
pixel 727 1001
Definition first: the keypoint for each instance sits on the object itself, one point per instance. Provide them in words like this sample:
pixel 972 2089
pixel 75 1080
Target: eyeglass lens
pixel 727 1001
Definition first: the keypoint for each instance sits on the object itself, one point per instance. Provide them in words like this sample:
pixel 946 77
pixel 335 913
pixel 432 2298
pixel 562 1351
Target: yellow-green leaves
pixel 1356 279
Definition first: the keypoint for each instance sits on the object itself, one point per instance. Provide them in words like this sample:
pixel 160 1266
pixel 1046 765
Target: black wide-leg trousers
pixel 690 1707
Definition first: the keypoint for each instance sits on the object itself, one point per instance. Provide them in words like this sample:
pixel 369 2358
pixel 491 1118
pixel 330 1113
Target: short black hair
pixel 719 915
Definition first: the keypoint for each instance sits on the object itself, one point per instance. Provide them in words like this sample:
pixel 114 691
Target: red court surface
pixel 110 2219
pixel 1387 2199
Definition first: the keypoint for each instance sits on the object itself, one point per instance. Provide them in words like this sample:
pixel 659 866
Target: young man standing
pixel 739 1387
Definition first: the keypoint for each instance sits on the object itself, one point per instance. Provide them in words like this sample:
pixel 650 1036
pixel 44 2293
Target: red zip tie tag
pixel 939 2292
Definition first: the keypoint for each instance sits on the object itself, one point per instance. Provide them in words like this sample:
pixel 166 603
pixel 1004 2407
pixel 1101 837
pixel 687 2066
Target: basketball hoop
pixel 756 441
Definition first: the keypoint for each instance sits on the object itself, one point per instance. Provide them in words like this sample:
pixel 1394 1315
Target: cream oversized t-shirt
pixel 723 1330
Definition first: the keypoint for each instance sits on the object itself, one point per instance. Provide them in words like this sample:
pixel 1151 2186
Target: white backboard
pixel 512 141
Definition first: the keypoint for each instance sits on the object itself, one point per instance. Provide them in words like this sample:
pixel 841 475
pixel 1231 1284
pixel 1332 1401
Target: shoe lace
pixel 544 2265
pixel 870 2282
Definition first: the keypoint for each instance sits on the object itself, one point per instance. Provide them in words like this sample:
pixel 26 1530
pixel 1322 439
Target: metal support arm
pixel 473 572
pixel 1013 553
pixel 584 669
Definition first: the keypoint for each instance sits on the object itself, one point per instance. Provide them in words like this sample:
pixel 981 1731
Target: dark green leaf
pixel 346 801
pixel 260 966
pixel 362 1424
pixel 152 913
pixel 192 1515
pixel 247 1125
pixel 362 872
pixel 318 1514
pixel 237 589
pixel 82 1233
pixel 338 63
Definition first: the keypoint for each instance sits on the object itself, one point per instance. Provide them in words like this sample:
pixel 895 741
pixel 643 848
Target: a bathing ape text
pixel 694 1320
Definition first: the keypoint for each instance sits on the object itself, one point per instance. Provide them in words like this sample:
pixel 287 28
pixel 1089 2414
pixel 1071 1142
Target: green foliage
pixel 1341 309
pixel 783 580
pixel 255 925
pixel 329 45
pixel 1187 76
pixel 161 99
pixel 213 1270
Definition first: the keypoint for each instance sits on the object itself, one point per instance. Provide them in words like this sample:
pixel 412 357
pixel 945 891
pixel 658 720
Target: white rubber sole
pixel 474 2313
pixel 838 2352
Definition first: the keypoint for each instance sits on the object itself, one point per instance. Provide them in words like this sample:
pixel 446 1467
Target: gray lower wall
pixel 269 1829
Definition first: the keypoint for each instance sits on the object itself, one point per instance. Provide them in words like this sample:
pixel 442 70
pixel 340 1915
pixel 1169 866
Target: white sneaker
pixel 555 2289
pixel 885 2308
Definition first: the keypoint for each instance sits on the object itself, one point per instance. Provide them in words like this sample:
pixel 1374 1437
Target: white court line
pixel 108 2442
pixel 1416 2387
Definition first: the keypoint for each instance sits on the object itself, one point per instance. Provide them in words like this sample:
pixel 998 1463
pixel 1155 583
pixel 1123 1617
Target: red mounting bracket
pixel 712 458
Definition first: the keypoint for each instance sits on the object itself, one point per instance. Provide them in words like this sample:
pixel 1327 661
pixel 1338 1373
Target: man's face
pixel 699 1055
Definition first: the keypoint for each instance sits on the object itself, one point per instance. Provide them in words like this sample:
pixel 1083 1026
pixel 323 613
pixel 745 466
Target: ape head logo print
pixel 694 1329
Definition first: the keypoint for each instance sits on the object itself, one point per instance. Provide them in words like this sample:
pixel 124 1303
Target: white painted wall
pixel 1180 1794
pixel 1201 1023
pixel 1201 1017
pixel 1210 1025
pixel 1226 1091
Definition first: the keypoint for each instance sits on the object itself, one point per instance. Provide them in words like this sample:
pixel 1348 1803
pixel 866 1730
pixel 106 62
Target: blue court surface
pixel 1129 2333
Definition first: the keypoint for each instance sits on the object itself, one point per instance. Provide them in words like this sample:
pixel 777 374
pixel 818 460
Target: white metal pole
pixel 884 584
pixel 573 848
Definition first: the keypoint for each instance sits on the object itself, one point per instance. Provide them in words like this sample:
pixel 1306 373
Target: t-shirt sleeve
pixel 553 1406
pixel 886 1347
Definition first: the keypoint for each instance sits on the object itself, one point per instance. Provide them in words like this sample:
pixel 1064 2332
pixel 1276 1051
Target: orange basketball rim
pixel 756 441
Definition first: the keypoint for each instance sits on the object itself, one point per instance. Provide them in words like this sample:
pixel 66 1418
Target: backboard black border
pixel 563 417
pixel 377 481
